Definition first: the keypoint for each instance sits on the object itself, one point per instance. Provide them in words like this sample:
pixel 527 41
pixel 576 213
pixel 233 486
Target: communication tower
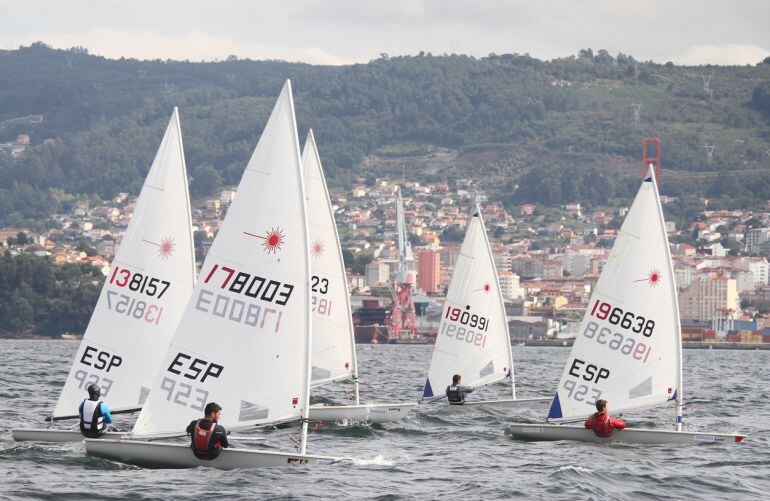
pixel 402 319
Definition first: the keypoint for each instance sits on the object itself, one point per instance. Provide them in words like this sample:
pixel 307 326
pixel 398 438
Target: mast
pixel 477 213
pixel 306 245
pixel 674 306
pixel 186 192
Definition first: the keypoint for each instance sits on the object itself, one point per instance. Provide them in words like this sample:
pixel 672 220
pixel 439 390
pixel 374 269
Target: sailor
pixel 208 437
pixel 456 392
pixel 94 414
pixel 601 422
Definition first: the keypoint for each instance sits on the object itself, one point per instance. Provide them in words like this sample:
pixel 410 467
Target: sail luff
pixel 491 258
pixel 186 193
pixel 675 303
pixel 306 243
pixel 348 311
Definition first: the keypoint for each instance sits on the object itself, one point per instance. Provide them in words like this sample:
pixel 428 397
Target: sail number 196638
pixel 627 320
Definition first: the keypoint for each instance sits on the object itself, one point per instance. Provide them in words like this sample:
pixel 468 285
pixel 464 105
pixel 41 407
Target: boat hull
pixel 50 435
pixel 167 455
pixel 373 413
pixel 544 432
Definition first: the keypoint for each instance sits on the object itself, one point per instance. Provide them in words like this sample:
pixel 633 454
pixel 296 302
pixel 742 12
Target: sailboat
pixel 334 348
pixel 473 339
pixel 629 350
pixel 244 340
pixel 142 299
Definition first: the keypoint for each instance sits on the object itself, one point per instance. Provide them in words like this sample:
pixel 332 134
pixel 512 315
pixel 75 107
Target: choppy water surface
pixel 431 454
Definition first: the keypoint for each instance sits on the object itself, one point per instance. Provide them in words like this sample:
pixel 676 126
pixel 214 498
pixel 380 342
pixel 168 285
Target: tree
pixel 21 238
pixel 760 98
pixel 452 234
pixel 360 261
pixel 205 181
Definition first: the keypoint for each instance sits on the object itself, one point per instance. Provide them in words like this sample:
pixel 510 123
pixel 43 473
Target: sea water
pixel 435 453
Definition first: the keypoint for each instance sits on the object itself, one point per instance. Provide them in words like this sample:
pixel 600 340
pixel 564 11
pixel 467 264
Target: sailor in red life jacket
pixel 601 422
pixel 208 437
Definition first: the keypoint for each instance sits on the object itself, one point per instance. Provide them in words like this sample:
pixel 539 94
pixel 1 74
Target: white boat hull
pixel 538 432
pixel 51 435
pixel 510 403
pixel 166 455
pixel 373 413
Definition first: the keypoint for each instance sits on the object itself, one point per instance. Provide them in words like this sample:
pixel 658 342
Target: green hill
pixel 529 130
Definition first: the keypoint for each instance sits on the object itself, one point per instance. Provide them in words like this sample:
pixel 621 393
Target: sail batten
pixel 143 296
pixel 628 349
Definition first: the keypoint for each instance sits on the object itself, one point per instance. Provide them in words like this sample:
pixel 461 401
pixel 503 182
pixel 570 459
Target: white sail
pixel 243 341
pixel 473 338
pixel 628 350
pixel 333 357
pixel 145 292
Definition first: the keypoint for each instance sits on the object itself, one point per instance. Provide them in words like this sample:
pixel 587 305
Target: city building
pixel 429 271
pixel 709 295
pixel 377 273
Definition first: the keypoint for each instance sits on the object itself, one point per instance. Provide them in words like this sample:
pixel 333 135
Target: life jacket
pixel 601 427
pixel 91 419
pixel 202 442
pixel 455 395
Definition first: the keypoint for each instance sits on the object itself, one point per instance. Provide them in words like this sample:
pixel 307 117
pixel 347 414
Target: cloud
pixel 729 54
pixel 194 45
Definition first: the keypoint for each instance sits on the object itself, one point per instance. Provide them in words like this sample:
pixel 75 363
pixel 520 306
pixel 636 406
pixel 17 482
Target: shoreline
pixel 548 343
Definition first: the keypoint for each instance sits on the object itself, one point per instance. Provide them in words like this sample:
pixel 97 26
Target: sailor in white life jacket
pixel 94 414
pixel 456 392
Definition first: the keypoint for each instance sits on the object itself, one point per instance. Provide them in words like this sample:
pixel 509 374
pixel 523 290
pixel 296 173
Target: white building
pixel 377 273
pixel 509 285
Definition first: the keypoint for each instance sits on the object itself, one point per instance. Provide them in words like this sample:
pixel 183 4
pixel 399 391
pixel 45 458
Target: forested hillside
pixel 39 296
pixel 548 132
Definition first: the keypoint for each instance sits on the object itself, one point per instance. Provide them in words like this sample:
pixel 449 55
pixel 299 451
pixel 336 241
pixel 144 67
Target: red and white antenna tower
pixel 651 157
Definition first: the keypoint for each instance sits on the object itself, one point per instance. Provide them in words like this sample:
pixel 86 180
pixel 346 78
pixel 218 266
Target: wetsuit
pixel 602 424
pixel 206 444
pixel 94 418
pixel 456 393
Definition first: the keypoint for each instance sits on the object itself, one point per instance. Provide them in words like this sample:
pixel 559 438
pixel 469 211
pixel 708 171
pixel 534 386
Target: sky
pixel 338 32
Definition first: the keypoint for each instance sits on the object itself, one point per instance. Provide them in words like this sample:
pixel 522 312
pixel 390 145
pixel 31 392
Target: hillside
pixel 530 131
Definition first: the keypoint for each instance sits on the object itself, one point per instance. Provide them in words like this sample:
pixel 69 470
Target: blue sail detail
pixel 555 410
pixel 428 391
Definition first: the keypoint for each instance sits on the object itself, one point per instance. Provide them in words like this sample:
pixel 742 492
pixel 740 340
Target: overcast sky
pixel 347 31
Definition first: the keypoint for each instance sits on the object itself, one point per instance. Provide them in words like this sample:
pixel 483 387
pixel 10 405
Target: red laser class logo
pixel 165 247
pixel 317 249
pixel 653 278
pixel 486 288
pixel 272 241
